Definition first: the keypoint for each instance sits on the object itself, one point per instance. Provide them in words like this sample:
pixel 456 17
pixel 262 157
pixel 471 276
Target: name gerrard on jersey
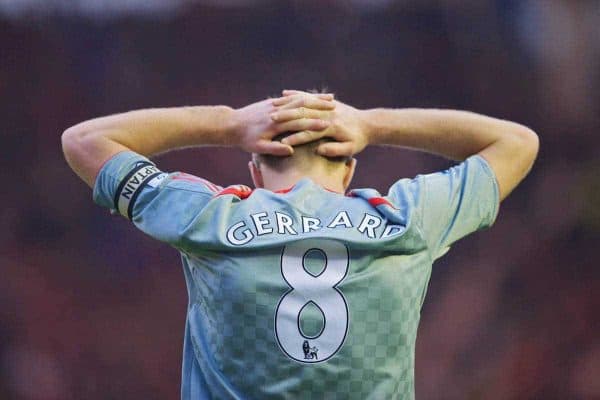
pixel 265 223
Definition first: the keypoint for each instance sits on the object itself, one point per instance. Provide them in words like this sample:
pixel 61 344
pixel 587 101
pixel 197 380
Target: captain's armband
pixel 144 173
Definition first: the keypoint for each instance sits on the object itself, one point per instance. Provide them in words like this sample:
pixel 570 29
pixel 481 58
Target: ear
pixel 256 175
pixel 349 174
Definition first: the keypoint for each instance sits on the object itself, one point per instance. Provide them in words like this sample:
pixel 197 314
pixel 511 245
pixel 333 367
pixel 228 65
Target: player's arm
pixel 509 148
pixel 88 145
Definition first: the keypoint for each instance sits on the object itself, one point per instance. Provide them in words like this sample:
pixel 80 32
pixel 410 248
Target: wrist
pixel 371 126
pixel 393 127
pixel 229 125
pixel 224 126
pixel 235 126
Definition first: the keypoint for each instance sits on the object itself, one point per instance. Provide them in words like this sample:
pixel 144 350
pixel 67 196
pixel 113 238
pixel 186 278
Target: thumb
pixel 323 96
pixel 275 148
pixel 336 149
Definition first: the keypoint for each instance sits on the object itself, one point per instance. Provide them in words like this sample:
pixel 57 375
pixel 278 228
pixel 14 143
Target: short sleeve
pixel 160 204
pixel 453 203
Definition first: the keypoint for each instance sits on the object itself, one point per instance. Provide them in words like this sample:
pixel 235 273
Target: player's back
pixel 303 294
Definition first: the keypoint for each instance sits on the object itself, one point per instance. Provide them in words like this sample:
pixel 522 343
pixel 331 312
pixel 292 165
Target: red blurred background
pixel 92 309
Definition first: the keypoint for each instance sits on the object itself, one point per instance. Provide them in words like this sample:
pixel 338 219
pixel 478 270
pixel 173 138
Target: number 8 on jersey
pixel 321 291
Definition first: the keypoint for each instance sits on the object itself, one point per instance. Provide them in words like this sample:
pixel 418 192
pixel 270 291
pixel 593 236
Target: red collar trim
pixel 283 191
pixel 380 201
pixel 242 192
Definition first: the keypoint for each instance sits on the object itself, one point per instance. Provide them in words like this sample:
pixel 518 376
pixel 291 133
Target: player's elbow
pixel 71 141
pixel 527 144
pixel 76 143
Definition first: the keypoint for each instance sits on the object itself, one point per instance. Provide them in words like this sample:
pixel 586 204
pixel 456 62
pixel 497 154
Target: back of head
pixel 304 160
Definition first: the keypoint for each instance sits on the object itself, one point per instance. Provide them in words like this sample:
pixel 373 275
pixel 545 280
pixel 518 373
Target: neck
pixel 274 180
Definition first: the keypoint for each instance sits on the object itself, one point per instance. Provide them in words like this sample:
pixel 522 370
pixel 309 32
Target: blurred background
pixel 92 309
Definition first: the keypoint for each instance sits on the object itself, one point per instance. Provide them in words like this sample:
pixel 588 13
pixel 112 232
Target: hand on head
pixel 255 128
pixel 309 116
pixel 344 123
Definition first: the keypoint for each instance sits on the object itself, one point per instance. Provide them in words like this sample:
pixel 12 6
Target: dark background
pixel 92 309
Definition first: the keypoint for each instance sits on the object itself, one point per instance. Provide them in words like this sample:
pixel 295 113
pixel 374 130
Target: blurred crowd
pixel 92 309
